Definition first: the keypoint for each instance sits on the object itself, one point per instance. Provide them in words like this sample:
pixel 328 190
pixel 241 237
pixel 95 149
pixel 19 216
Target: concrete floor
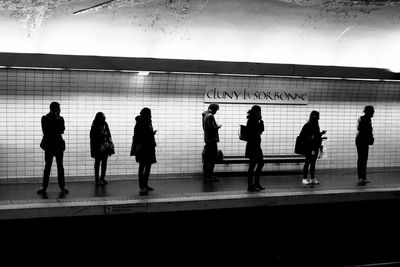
pixel 125 188
pixel 325 229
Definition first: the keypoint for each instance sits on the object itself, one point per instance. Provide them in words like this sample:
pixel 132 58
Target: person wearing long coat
pixel 145 151
pixel 211 139
pixel 255 127
pixel 312 137
pixel 99 133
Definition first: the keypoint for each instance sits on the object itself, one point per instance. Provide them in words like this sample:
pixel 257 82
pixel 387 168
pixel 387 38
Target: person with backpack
pixel 312 139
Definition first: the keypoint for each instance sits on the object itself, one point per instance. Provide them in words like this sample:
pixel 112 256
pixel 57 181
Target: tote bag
pixel 299 147
pixel 243 132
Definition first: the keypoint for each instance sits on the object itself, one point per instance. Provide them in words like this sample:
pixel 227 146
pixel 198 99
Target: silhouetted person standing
pixel 364 139
pixel 312 138
pixel 99 133
pixel 53 127
pixel 145 151
pixel 211 138
pixel 255 127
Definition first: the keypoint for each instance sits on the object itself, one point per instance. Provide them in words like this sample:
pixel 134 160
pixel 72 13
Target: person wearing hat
pixel 211 138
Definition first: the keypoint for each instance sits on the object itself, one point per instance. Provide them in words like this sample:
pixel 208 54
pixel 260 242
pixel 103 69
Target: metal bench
pixel 294 158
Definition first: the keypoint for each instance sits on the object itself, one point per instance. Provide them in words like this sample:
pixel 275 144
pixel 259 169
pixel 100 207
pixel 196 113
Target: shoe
pixel 148 188
pixel 41 191
pixel 103 181
pixel 305 181
pixel 143 192
pixel 366 181
pixel 259 187
pixel 252 188
pixel 212 179
pixel 314 181
pixel 97 182
pixel 361 182
pixel 64 190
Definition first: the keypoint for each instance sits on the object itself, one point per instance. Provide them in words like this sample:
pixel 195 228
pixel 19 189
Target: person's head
pixel 369 111
pixel 255 111
pixel 145 113
pixel 100 117
pixel 213 107
pixel 55 108
pixel 314 116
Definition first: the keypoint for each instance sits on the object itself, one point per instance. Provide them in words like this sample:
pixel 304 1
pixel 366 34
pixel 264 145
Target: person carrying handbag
pixel 100 147
pixel 311 137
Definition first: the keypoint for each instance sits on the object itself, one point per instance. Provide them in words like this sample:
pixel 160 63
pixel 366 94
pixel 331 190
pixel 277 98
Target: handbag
pixel 243 132
pixel 107 147
pixel 299 147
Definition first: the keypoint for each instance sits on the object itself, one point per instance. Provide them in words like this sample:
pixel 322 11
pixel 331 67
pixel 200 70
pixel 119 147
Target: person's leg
pixel 103 169
pixel 146 176
pixel 362 151
pixel 60 171
pixel 96 169
pixel 48 158
pixel 359 165
pixel 141 175
pixel 250 174
pixel 257 175
pixel 306 181
pixel 213 159
pixel 312 169
pixel 305 167
pixel 366 161
pixel 206 161
pixel 205 168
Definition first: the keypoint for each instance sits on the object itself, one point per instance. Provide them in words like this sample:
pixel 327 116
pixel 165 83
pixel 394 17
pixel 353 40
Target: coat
pixel 98 134
pixel 255 128
pixel 311 136
pixel 364 136
pixel 210 127
pixel 145 141
pixel 53 127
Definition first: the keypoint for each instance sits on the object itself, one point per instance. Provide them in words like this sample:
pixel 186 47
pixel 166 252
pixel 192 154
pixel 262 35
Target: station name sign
pixel 255 95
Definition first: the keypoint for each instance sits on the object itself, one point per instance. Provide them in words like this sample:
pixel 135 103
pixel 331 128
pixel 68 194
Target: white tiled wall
pixel 176 101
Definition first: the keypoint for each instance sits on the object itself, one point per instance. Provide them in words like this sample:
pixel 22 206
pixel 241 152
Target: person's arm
pixel 211 124
pixel 44 125
pixel 62 128
pixel 261 127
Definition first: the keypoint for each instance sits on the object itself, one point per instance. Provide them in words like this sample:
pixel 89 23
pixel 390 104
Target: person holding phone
pixel 145 151
pixel 255 127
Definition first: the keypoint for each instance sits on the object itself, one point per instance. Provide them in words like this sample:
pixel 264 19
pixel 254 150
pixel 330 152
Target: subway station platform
pixel 186 221
pixel 120 196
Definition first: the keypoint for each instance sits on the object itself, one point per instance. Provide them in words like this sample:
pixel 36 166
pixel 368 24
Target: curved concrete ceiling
pixel 317 32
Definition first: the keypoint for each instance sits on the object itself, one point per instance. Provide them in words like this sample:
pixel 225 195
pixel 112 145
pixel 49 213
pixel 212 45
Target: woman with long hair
pixel 99 133
pixel 144 148
pixel 312 138
pixel 255 127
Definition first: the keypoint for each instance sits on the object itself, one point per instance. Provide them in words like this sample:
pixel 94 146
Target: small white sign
pixel 224 94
